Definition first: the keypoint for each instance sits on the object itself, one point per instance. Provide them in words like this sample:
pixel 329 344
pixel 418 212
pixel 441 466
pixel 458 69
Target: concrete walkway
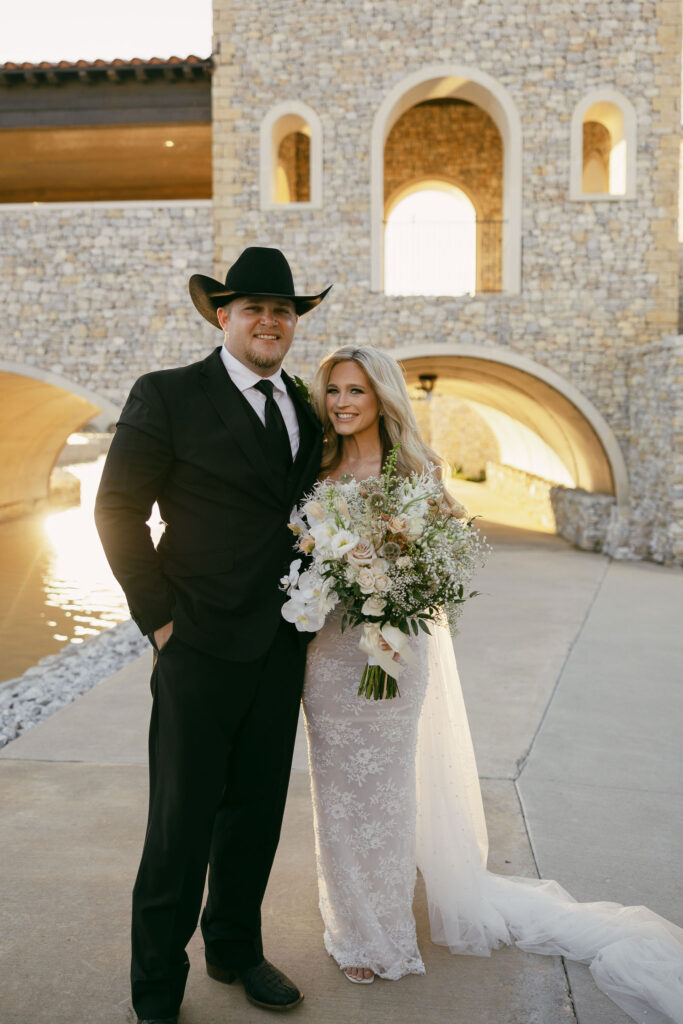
pixel 571 667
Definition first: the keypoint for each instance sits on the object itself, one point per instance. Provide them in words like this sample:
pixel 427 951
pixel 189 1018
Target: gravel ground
pixel 59 678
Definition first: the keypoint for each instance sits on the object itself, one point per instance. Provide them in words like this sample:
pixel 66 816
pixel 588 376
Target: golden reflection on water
pixel 55 584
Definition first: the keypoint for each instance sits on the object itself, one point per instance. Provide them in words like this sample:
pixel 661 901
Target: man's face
pixel 259 331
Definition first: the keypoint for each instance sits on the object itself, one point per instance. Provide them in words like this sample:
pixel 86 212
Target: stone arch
pixel 616 113
pixel 437 81
pixel 436 181
pixel 286 118
pixel 38 411
pixel 535 396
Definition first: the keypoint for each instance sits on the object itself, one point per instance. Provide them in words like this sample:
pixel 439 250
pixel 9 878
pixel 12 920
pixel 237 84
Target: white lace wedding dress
pixel 395 785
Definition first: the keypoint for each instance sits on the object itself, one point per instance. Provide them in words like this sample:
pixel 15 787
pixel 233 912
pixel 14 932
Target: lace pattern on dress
pixel 362 756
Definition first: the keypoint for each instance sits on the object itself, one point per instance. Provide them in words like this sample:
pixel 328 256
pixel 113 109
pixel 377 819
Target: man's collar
pixel 244 378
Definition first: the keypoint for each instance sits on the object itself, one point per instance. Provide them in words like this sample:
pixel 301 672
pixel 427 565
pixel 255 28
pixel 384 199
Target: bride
pixel 395 785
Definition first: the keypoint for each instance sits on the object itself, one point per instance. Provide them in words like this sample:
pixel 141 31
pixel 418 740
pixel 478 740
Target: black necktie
pixel 279 446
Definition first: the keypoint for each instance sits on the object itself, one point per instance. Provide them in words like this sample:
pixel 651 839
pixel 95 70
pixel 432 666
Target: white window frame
pixel 280 120
pixel 628 113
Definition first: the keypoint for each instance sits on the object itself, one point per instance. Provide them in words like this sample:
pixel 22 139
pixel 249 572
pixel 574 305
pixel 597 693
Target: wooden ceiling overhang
pixel 155 91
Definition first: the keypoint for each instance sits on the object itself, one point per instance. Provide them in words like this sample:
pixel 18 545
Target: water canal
pixel 55 585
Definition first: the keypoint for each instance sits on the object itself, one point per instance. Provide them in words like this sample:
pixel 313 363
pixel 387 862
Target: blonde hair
pixel 397 424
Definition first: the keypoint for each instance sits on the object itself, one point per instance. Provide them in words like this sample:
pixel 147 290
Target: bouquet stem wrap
pixel 383 667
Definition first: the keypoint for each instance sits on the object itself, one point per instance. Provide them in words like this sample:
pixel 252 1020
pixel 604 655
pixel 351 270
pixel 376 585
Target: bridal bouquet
pixel 395 555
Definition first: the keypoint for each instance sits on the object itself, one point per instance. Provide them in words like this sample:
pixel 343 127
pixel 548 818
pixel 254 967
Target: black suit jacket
pixel 188 439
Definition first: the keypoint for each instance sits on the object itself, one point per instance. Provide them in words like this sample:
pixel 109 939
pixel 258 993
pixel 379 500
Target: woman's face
pixel 351 403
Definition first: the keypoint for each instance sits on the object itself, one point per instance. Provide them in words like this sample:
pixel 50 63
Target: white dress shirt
pixel 244 379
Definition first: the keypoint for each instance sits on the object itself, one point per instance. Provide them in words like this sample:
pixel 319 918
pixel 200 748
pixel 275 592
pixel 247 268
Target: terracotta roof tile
pixel 65 65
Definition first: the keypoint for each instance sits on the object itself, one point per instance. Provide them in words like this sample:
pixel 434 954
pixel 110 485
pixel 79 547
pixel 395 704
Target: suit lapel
pixel 229 405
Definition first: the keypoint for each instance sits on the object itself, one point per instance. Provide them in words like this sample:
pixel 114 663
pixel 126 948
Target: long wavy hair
pixel 397 423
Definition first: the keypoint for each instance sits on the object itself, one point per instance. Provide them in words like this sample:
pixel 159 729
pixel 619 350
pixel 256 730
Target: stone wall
pixel 97 292
pixel 655 379
pixel 458 433
pixel 585 519
pixel 528 493
pixel 599 278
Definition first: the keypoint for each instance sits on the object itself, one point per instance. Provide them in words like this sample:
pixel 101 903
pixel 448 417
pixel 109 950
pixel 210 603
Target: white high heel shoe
pixel 358 981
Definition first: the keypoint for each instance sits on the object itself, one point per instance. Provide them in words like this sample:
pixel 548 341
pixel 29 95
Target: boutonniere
pixel 303 389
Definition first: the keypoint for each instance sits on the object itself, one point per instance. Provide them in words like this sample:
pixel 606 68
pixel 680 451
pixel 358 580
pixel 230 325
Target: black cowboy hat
pixel 257 271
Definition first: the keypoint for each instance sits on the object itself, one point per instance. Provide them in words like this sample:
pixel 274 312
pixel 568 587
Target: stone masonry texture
pixel 599 297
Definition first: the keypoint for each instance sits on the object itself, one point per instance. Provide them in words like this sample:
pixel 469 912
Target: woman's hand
pixel 387 647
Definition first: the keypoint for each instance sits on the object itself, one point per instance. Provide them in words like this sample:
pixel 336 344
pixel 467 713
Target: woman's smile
pixel 351 402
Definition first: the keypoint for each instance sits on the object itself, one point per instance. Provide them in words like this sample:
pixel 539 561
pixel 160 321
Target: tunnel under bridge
pixel 38 411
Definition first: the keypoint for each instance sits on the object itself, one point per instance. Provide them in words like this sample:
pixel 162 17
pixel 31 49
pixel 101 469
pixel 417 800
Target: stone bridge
pixel 566 343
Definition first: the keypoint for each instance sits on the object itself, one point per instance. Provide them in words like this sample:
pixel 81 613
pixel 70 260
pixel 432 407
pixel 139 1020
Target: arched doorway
pixel 460 94
pixel 38 411
pixel 430 242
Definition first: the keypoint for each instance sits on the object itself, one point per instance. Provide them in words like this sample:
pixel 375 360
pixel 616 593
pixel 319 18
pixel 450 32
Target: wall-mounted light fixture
pixel 427 382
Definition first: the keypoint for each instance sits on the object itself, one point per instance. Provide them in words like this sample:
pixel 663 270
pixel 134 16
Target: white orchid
pixel 292 577
pixel 306 617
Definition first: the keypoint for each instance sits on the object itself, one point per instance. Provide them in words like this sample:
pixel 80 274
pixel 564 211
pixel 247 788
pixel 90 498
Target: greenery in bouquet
pixel 395 552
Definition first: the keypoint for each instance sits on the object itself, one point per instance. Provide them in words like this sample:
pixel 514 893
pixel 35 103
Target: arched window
pixel 430 243
pixel 603 157
pixel 474 91
pixel 291 157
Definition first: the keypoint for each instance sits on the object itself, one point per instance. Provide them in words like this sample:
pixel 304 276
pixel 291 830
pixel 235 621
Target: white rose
pixel 382 583
pixel 366 581
pixel 374 605
pixel 362 553
pixel 404 562
pixel 398 523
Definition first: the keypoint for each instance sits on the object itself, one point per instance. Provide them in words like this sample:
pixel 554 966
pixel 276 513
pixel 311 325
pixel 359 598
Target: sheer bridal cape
pixel 635 956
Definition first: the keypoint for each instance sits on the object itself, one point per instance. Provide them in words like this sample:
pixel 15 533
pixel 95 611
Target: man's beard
pixel 264 362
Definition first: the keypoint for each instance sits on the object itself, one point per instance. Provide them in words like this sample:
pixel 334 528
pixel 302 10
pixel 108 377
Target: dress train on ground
pixel 635 956
pixel 395 784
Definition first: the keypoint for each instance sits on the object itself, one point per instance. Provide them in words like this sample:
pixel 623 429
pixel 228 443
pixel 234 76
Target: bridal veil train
pixel 634 955
pixel 373 823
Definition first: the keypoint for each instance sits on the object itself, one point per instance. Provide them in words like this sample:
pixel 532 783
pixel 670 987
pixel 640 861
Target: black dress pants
pixel 220 751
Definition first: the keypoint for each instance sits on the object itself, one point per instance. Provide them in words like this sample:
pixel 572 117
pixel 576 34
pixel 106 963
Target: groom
pixel 226 447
